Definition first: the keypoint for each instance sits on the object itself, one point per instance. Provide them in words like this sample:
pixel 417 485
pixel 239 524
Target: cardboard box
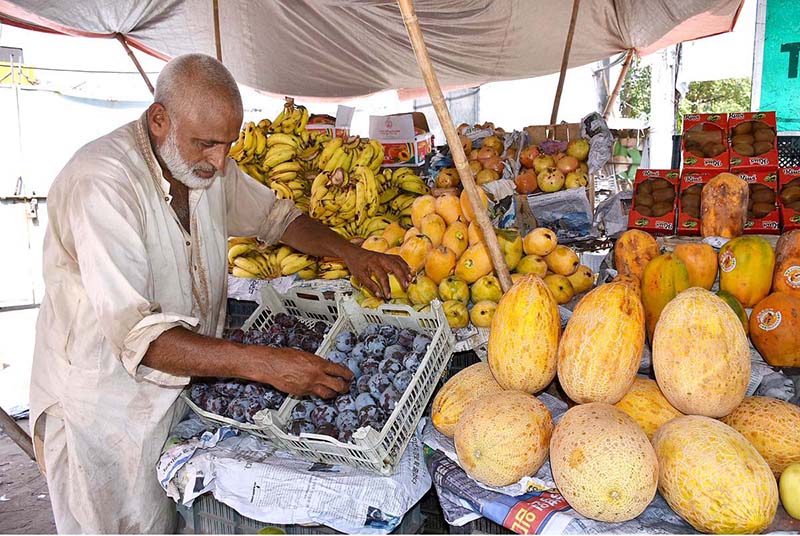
pixel 704 144
pixel 562 132
pixel 642 216
pixel 763 193
pixel 692 183
pixel 406 138
pixel 789 179
pixel 340 128
pixel 753 143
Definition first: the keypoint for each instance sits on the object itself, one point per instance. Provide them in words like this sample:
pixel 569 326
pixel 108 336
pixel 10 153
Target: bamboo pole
pixel 121 39
pixel 217 40
pixel 16 433
pixel 618 86
pixel 459 158
pixel 565 61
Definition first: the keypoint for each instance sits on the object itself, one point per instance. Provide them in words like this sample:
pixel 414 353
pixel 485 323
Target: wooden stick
pixel 565 61
pixel 217 40
pixel 618 86
pixel 121 39
pixel 459 158
pixel 16 433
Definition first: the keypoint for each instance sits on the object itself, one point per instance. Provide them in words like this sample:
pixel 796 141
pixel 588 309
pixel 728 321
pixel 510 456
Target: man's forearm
pixel 312 238
pixel 181 352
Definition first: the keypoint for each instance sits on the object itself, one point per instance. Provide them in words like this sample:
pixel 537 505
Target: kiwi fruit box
pixel 753 143
pixel 705 142
pixel 789 197
pixel 654 197
pixel 763 216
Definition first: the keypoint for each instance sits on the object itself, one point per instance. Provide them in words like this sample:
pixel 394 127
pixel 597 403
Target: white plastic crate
pixel 310 306
pixel 376 451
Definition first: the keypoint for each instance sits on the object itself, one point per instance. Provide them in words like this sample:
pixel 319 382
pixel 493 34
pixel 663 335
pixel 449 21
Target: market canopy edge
pixel 350 48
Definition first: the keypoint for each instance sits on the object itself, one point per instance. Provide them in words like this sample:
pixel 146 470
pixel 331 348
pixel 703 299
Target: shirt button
pixel 188 243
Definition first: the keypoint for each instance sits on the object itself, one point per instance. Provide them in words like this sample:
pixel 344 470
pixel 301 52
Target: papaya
pixel 633 251
pixel 746 266
pixel 723 206
pixel 775 329
pixel 787 264
pixel 602 344
pixel 734 304
pixel 523 339
pixel 664 277
pixel 712 477
pixel 701 356
pixel 701 263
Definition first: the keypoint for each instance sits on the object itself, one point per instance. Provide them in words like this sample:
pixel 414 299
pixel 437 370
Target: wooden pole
pixel 565 61
pixel 614 94
pixel 16 433
pixel 459 158
pixel 217 40
pixel 121 39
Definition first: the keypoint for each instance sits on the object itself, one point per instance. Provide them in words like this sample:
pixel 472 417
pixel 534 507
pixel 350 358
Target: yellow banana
pixel 328 150
pixel 291 165
pixel 301 125
pixel 365 156
pixel 264 124
pixel 246 263
pixel 283 177
pixel 281 190
pixel 279 137
pixel 335 274
pixel 238 249
pixel 241 272
pixel 278 155
pixel 336 161
pixel 261 142
pixel 249 137
pixel 415 185
pixel 295 262
pixel 238 146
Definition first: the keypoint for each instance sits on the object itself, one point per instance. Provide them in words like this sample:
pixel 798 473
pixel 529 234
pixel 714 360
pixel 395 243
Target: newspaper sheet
pixel 267 485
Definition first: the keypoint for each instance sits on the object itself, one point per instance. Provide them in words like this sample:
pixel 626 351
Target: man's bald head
pixel 192 85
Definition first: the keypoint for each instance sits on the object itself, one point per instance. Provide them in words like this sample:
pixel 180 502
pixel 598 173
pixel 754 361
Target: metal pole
pixel 565 61
pixel 459 158
pixel 16 433
pixel 217 40
pixel 121 39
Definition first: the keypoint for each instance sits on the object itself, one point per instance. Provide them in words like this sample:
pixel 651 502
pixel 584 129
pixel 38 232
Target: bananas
pixel 248 258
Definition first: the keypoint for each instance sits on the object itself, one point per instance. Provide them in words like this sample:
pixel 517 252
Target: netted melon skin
pixel 472 383
pixel 502 438
pixel 646 404
pixel 603 463
pixel 701 356
pixel 772 426
pixel 712 477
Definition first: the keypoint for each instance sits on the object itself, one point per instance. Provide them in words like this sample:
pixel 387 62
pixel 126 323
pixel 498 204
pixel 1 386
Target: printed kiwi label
pixel 769 319
pixel 736 161
pixel 772 177
pixel 792 276
pixel 691 224
pixel 727 261
pixel 641 222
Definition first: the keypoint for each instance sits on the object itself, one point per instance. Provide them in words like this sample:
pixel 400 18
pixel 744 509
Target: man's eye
pixel 207 144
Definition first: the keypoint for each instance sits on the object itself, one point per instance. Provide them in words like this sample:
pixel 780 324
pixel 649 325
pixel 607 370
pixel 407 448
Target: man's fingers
pixel 383 281
pixel 400 269
pixel 335 383
pixel 334 369
pixel 322 391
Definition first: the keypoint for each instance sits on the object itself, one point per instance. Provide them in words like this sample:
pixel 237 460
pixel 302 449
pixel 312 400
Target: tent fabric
pixel 350 48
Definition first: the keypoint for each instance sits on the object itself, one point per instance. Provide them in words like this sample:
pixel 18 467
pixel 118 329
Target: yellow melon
pixel 501 438
pixel 602 344
pixel 712 477
pixel 473 383
pixel 646 404
pixel 701 356
pixel 602 462
pixel 772 427
pixel 523 339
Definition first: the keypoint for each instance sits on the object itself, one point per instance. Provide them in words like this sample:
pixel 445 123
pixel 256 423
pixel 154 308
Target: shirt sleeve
pixel 106 228
pixel 254 210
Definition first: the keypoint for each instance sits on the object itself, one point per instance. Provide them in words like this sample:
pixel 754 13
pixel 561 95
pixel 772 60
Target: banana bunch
pixel 399 189
pixel 331 268
pixel 350 153
pixel 247 258
pixel 339 197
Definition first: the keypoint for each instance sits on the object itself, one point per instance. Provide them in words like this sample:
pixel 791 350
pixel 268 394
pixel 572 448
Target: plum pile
pixel 383 359
pixel 239 399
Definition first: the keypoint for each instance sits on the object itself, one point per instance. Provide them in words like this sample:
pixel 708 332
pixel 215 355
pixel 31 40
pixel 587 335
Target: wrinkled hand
pixel 372 270
pixel 301 373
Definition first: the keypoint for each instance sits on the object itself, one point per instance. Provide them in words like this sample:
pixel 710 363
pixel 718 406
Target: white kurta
pixel 120 270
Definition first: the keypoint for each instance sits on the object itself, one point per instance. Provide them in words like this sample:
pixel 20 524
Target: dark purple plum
pixel 374 346
pixel 198 391
pixel 254 390
pixel 421 343
pixel 370 416
pixel 278 340
pixel 370 367
pixel 236 335
pixel 411 361
pixel 395 351
pixel 362 384
pixel 320 328
pixel 390 333
pixel 401 380
pixel 345 436
pixel 406 337
pixel 328 429
pixel 388 399
pixel 303 409
pixel 358 352
pixel 336 356
pixel 273 399
pixel 378 384
pixel 345 402
pixel 364 400
pixel 309 343
pixel 300 426
pixel 237 409
pixel 229 388
pixel 347 420
pixel 345 341
pixel 323 414
pixel 390 367
pixel 216 404
pixel 352 364
pixel 372 329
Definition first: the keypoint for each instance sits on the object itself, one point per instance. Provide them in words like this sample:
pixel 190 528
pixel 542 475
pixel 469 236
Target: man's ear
pixel 158 120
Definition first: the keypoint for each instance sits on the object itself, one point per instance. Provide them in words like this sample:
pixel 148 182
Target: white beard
pixel 180 169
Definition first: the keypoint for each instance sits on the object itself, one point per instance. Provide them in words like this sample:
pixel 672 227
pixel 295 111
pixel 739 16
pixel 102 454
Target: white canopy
pixel 348 48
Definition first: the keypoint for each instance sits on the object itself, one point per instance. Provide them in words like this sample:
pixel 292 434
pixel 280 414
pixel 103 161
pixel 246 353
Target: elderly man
pixel 135 272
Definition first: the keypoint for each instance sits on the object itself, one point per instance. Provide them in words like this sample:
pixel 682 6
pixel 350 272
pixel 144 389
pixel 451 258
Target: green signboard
pixel 780 71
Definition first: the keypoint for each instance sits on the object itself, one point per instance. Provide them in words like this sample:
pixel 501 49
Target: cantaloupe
pixel 772 426
pixel 501 438
pixel 712 477
pixel 523 339
pixel 472 383
pixel 601 347
pixel 701 356
pixel 646 404
pixel 603 463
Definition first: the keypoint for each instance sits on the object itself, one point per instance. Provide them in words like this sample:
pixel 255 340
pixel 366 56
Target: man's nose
pixel 218 157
